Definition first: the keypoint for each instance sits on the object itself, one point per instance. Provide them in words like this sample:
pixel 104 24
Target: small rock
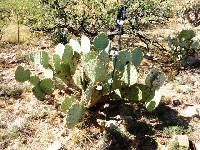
pixel 56 145
pixel 176 102
pixel 18 123
pixel 197 146
pixel 182 140
pixel 178 78
pixel 184 88
pixel 190 111
pixel 2 104
pixel 111 124
pixel 162 147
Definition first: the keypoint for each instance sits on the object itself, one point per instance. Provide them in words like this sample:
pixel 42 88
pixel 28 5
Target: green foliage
pixel 85 16
pixel 31 13
pixel 88 67
pixel 183 46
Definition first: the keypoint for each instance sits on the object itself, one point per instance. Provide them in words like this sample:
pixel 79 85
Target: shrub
pixel 85 16
pixel 184 47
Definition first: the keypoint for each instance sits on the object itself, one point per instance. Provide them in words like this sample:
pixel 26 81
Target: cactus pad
pixel 101 41
pixel 124 58
pixel 22 75
pixel 57 62
pixel 152 104
pixel 137 57
pixel 130 75
pixel 75 114
pixel 67 103
pixel 34 80
pixel 46 85
pixel 67 55
pixel 132 93
pixel 155 79
pixel 37 91
pixel 45 59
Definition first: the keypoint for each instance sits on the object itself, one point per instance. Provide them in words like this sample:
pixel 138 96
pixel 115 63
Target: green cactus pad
pixel 65 70
pixel 34 80
pixel 103 57
pixel 132 93
pixel 22 75
pixel 101 41
pixel 68 55
pixel 147 93
pixel 46 86
pixel 89 68
pixel 89 56
pixel 155 79
pixel 38 92
pixel 130 75
pixel 137 57
pixel 67 103
pixel 124 58
pixel 101 72
pixel 78 77
pixel 152 104
pixel 57 62
pixel 75 115
pixel 45 59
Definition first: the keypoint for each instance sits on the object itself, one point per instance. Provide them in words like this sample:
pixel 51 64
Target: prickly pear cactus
pixel 88 66
pixel 74 116
pixel 22 75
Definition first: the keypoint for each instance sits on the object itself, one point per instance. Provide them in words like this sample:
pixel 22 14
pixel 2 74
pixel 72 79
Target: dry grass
pixel 10 33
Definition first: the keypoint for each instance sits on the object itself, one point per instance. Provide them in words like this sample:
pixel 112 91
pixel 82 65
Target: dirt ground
pixel 29 124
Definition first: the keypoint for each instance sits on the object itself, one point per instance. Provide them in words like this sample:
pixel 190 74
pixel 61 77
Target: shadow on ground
pixel 141 125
